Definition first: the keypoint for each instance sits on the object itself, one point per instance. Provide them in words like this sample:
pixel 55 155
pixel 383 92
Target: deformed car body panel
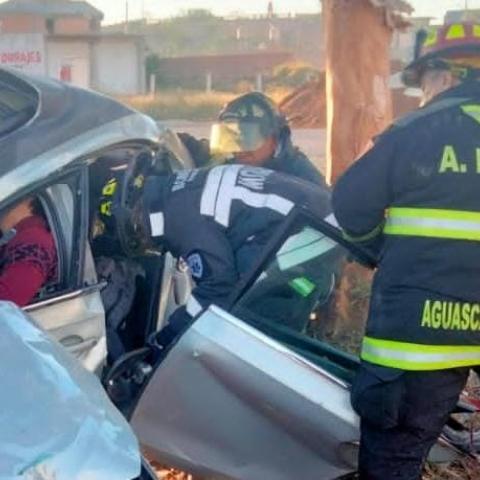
pixel 68 123
pixel 77 321
pixel 246 406
pixel 57 421
pixel 61 127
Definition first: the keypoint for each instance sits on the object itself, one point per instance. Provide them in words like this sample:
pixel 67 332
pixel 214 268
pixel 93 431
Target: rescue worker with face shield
pixel 415 195
pixel 218 220
pixel 250 130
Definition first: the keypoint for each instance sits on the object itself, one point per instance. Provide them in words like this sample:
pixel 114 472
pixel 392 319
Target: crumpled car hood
pixel 56 420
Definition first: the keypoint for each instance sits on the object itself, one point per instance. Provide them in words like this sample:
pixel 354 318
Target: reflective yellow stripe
pixel 413 356
pixel 110 188
pixel 456 31
pixel 437 223
pixel 476 30
pixel 472 111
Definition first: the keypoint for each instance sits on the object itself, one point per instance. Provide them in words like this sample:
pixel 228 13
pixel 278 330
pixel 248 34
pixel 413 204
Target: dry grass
pixel 180 104
pixel 190 105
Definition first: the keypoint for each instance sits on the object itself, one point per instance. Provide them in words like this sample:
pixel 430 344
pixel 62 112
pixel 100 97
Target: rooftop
pixel 51 8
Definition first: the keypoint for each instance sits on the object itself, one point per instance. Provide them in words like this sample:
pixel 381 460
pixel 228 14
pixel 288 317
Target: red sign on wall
pixel 24 51
pixel 21 58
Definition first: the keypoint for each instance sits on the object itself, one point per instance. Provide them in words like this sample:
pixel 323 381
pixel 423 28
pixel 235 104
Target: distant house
pixel 63 39
pixel 456 16
pixel 403 41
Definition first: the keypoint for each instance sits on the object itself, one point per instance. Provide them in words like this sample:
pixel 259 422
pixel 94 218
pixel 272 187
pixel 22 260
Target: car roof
pixel 55 124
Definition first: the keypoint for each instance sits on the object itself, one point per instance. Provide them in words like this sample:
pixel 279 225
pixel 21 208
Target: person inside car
pixel 218 220
pixel 28 257
pixel 251 130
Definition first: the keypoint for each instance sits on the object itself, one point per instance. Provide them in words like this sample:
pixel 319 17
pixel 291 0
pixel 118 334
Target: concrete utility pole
pixel 358 35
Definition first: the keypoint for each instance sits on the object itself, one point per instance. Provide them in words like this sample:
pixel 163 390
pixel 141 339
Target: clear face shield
pixel 236 136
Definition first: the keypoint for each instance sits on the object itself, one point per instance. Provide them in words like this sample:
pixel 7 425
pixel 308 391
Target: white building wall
pixel 118 67
pixel 70 60
pixel 23 51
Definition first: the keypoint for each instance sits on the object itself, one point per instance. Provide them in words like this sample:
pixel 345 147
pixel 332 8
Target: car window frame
pixel 74 179
pixel 345 363
pixel 296 216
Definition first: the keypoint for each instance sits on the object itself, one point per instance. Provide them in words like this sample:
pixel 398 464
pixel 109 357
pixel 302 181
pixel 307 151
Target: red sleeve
pixel 20 282
pixel 28 262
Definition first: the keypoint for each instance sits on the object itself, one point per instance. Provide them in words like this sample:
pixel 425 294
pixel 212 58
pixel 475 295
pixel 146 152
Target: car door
pixel 248 394
pixel 71 308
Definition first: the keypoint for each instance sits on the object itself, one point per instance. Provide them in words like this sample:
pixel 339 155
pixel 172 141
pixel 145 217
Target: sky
pixel 115 9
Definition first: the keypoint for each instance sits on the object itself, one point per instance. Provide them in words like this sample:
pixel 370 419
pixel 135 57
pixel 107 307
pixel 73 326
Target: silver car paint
pixel 229 402
pixel 57 422
pixel 133 127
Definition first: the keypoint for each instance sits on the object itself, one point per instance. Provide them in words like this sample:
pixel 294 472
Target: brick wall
pixel 22 23
pixel 71 26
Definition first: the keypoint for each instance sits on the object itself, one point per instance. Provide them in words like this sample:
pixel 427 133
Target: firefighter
pixel 218 220
pixel 250 130
pixel 415 197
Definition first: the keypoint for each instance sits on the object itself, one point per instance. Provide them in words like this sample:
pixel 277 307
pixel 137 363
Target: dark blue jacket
pixel 220 219
pixel 292 161
pixel 416 196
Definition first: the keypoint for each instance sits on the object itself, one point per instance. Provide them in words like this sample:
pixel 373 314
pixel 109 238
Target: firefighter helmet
pixel 245 124
pixel 121 207
pixel 454 47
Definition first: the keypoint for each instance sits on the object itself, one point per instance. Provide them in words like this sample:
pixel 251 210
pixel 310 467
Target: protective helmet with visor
pixel 245 125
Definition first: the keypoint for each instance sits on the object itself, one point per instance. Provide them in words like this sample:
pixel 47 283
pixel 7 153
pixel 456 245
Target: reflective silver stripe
pixel 157 224
pixel 220 190
pixel 408 356
pixel 263 200
pixel 225 195
pixel 193 306
pixel 435 223
pixel 210 191
pixel 252 199
pixel 332 220
pixel 419 357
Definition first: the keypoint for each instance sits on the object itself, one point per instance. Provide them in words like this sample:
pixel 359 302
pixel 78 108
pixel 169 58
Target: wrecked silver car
pixel 257 391
pixel 57 421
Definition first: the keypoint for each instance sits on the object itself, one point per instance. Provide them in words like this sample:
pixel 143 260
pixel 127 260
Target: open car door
pixel 246 394
pixel 71 308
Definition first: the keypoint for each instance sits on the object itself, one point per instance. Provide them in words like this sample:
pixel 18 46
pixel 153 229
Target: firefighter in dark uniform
pixel 415 198
pixel 250 130
pixel 217 220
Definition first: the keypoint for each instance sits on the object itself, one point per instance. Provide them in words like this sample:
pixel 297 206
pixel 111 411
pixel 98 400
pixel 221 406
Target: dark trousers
pixel 402 415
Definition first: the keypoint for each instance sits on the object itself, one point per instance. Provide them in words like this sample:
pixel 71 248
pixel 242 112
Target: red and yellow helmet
pixel 454 47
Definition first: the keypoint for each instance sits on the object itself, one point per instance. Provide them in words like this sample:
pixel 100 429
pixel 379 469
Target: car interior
pixel 291 289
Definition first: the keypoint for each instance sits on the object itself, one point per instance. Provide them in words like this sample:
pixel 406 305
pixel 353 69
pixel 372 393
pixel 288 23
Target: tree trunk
pixel 359 104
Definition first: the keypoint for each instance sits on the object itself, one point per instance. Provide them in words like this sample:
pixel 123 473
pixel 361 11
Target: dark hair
pixel 36 207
